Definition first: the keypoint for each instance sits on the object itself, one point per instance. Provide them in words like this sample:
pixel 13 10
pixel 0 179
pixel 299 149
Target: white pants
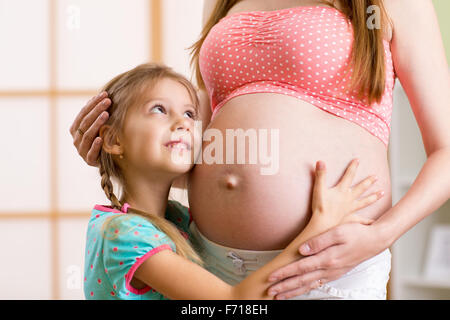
pixel 367 281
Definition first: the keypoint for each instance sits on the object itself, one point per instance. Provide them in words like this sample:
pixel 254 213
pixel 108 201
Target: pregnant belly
pixel 257 195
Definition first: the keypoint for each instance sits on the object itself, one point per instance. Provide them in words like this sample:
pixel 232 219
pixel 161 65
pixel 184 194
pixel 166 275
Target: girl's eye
pixel 191 114
pixel 158 107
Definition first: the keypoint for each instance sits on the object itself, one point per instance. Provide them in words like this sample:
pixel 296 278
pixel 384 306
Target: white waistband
pixel 366 281
pixel 254 259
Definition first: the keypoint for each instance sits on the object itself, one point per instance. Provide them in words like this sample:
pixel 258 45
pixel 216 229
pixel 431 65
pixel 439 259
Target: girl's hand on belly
pixel 336 205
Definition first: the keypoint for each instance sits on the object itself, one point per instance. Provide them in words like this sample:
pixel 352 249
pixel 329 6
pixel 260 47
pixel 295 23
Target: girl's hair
pixel 367 58
pixel 124 91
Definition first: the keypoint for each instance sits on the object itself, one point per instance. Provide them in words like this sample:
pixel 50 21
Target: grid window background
pixel 57 54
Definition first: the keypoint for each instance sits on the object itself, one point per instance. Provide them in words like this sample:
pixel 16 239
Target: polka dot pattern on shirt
pixel 117 244
pixel 302 52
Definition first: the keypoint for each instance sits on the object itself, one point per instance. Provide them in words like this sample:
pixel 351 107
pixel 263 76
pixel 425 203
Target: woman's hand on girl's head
pixel 85 128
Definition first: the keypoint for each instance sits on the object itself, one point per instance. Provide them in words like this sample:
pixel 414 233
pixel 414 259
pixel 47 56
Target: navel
pixel 231 181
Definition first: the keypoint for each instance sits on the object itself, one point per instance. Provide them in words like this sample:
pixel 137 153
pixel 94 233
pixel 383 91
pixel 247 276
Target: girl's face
pixel 159 131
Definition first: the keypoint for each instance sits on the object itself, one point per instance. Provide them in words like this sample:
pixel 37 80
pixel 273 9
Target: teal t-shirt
pixel 117 243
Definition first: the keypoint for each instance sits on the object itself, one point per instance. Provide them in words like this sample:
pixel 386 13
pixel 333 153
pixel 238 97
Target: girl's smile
pixel 178 144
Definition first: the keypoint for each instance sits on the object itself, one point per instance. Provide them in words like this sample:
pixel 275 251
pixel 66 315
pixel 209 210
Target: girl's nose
pixel 182 123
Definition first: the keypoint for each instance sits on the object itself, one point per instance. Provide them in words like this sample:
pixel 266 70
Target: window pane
pixel 26 259
pixel 182 22
pixel 79 184
pixel 24 38
pixel 25 169
pixel 99 39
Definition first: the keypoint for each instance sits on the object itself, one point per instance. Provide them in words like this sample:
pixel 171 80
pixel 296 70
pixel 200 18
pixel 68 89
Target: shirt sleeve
pixel 129 241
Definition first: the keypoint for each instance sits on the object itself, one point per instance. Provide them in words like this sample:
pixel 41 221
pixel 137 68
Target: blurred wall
pixel 443 12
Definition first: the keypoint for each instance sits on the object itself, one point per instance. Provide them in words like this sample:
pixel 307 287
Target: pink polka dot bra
pixel 301 52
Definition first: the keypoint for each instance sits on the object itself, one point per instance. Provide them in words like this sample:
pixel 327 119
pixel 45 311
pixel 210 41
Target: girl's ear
pixel 111 143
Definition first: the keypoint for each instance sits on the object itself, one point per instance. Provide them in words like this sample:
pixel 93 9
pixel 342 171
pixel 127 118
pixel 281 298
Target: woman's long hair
pixel 367 58
pixel 124 91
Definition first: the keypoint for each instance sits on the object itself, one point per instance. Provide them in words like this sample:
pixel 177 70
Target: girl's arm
pixel 179 278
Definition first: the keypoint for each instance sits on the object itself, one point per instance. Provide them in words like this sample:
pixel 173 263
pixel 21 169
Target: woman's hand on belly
pixel 330 255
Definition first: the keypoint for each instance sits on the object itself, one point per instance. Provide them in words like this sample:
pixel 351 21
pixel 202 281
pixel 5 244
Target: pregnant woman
pixel 322 74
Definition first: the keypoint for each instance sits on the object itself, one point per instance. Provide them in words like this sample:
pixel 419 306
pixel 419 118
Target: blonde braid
pixel 108 188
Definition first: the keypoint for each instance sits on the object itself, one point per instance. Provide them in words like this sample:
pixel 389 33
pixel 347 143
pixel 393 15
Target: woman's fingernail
pixel 273 278
pixel 305 249
pixel 272 293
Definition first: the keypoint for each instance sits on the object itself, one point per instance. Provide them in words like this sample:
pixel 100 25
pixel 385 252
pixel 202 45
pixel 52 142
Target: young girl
pixel 138 247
